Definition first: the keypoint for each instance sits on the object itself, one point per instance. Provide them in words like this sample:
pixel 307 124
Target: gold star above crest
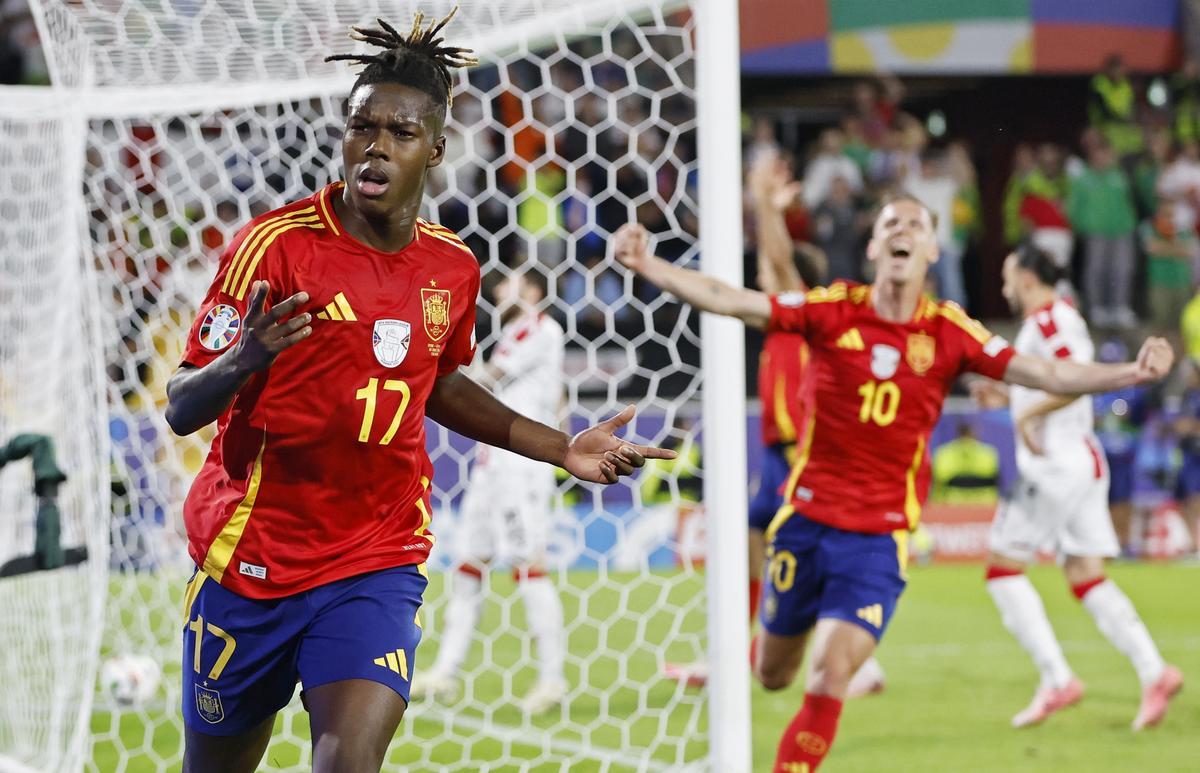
pixel 433 283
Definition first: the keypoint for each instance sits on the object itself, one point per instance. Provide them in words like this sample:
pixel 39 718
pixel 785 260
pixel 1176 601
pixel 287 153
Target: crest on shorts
pixel 884 360
pixel 208 705
pixel 390 339
pixel 435 312
pixel 919 353
pixel 220 326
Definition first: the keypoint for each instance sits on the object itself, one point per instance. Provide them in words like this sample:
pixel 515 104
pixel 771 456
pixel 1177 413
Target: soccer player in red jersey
pixel 334 326
pixel 883 359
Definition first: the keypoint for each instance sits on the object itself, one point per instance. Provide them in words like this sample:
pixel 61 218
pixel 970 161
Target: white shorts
pixel 506 511
pixel 1059 508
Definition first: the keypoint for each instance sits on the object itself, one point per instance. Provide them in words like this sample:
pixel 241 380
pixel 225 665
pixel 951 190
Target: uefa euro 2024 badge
pixel 220 327
pixel 884 360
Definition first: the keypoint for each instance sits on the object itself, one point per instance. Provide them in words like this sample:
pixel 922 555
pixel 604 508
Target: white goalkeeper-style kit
pixel 1060 500
pixel 506 508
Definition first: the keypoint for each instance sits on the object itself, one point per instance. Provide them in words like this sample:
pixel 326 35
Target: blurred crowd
pixel 876 148
pixel 1119 211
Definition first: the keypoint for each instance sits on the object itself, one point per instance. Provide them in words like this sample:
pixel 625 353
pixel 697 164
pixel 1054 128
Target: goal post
pixel 167 127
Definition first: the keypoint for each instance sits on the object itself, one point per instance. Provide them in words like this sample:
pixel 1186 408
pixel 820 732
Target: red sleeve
pixel 790 313
pixel 983 352
pixel 221 317
pixel 460 349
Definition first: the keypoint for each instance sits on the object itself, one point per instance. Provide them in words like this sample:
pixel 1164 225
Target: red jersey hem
pixel 232 581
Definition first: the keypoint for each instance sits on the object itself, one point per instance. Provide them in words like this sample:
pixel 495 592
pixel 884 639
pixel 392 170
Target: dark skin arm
pixel 197 396
pixel 595 455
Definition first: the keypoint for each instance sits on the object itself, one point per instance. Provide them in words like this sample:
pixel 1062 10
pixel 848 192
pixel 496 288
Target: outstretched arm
pixel 692 287
pixel 197 396
pixel 1065 377
pixel 595 455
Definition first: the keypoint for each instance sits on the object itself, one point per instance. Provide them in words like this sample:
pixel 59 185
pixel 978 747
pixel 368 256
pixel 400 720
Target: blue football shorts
pixel 814 571
pixel 772 477
pixel 242 657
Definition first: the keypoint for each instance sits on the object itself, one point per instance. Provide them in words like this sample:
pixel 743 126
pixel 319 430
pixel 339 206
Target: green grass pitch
pixel 954 679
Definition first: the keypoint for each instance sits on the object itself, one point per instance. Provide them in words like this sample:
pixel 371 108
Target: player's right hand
pixel 1155 359
pixel 631 246
pixel 267 333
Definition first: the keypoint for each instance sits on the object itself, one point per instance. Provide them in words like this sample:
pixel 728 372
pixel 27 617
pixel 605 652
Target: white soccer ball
pixel 131 680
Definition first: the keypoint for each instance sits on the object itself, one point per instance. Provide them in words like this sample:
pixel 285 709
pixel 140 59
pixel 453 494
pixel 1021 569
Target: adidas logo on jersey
pixel 872 614
pixel 851 339
pixel 395 661
pixel 338 310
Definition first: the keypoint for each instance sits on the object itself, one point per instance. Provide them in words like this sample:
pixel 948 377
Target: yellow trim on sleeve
pixel 953 312
pixel 220 552
pixel 234 276
pixel 262 250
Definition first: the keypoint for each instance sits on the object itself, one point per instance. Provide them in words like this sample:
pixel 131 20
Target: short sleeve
pixel 983 352
pixel 221 316
pixel 790 313
pixel 460 349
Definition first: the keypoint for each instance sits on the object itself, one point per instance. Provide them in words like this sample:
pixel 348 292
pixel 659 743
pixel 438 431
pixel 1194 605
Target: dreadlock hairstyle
pixel 418 60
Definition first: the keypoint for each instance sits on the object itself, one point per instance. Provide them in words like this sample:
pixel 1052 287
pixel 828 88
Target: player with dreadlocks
pixel 334 326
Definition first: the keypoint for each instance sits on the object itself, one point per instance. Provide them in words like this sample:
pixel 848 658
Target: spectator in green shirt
pixel 1100 208
pixel 1170 251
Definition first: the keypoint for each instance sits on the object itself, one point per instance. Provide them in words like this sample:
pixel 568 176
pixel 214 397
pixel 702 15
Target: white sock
pixel 462 615
pixel 1119 622
pixel 1023 615
pixel 544 616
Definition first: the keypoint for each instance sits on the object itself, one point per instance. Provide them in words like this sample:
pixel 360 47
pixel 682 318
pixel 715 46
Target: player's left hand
pixel 1154 359
pixel 599 456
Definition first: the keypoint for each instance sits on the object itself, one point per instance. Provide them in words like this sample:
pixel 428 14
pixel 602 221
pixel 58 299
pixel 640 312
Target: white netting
pixel 50 384
pixel 201 115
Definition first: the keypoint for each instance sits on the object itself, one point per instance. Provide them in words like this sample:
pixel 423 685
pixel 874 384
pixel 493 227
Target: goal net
pixel 170 125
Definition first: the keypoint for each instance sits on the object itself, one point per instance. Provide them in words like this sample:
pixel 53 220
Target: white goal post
pixel 170 123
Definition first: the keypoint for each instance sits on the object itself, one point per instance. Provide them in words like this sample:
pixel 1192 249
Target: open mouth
pixel 372 182
pixel 901 251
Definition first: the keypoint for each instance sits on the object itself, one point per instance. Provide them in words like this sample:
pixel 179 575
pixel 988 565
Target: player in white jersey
pixel 506 510
pixel 1060 503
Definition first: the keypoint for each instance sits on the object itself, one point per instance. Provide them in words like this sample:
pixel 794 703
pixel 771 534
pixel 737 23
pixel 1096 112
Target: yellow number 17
pixel 370 393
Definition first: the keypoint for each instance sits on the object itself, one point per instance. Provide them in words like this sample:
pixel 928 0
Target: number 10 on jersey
pixel 880 402
pixel 370 393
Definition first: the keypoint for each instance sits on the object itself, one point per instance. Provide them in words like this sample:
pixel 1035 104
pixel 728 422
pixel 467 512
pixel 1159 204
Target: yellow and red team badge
pixel 920 353
pixel 435 312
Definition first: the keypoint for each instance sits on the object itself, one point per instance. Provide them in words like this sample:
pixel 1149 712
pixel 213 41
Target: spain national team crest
pixel 208 705
pixel 435 312
pixel 220 326
pixel 884 360
pixel 920 352
pixel 390 339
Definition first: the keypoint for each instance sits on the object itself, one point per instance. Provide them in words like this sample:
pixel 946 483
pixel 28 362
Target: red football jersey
pixel 863 460
pixel 318 470
pixel 782 389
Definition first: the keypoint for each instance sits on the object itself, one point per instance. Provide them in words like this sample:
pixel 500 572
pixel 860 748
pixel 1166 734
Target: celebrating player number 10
pixel 883 358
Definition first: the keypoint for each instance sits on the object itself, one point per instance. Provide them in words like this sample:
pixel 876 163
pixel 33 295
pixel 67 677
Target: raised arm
pixel 595 455
pixel 1065 377
pixel 706 293
pixel 773 190
pixel 197 396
